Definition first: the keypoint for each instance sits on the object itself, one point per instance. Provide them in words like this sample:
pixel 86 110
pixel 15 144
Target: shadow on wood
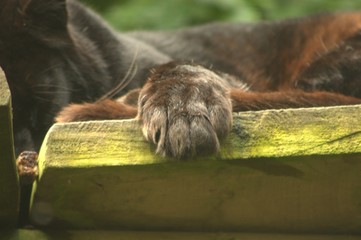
pixel 9 186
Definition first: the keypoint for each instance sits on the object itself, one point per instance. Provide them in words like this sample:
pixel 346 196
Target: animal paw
pixel 185 110
pixel 27 165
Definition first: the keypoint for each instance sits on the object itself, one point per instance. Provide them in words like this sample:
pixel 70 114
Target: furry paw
pixel 27 165
pixel 185 110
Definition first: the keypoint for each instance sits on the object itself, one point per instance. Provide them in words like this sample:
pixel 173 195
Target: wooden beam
pixel 9 186
pixel 119 235
pixel 269 176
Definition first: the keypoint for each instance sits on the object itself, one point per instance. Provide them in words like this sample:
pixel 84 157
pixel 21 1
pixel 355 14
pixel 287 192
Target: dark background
pixel 168 14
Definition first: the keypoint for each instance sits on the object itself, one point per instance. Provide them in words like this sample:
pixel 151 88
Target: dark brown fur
pixel 297 63
pixel 60 58
pixel 58 54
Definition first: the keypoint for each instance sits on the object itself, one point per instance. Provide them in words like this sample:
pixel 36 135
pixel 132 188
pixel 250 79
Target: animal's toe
pixel 27 165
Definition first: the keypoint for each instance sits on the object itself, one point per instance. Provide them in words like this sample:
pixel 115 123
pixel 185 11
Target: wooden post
pixel 295 170
pixel 9 186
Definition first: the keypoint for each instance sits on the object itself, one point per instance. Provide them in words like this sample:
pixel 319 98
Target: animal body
pixel 60 59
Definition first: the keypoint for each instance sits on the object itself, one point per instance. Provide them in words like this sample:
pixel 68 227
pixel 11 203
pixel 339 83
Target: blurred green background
pixel 167 14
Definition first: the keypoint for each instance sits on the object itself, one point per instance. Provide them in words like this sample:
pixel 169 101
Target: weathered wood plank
pixel 104 175
pixel 9 187
pixel 118 235
pixel 297 132
pixel 273 133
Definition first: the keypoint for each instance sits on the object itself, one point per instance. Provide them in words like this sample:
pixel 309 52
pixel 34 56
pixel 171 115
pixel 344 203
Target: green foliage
pixel 166 14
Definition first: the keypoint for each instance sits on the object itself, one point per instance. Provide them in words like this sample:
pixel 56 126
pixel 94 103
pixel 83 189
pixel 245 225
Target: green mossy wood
pixel 269 176
pixel 9 187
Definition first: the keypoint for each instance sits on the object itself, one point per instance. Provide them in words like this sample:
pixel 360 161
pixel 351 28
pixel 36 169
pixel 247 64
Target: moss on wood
pixel 269 176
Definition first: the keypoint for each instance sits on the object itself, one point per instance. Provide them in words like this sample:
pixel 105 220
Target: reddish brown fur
pixel 106 109
pixel 58 52
pixel 274 67
pixel 251 101
pixel 272 56
pixel 322 37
